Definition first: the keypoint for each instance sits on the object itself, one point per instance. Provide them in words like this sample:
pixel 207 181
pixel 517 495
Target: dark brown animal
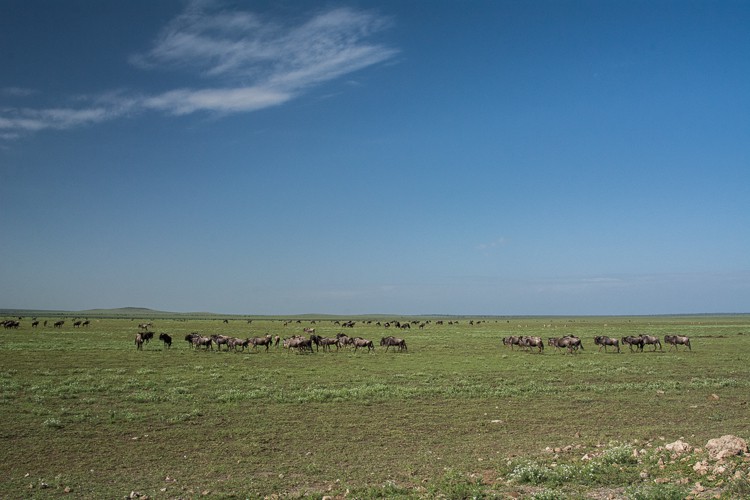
pixel 166 339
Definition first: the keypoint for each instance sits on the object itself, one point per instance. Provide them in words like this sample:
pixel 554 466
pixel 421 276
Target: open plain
pixel 456 415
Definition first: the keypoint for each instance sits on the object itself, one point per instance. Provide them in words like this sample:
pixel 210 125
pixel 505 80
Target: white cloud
pixel 249 63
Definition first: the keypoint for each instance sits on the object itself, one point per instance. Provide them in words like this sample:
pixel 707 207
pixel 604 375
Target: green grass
pixel 457 416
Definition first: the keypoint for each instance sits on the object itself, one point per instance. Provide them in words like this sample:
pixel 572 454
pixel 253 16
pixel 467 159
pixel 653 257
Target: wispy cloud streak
pixel 247 63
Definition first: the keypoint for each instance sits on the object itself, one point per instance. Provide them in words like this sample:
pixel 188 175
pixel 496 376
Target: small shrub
pixel 53 423
pixel 657 492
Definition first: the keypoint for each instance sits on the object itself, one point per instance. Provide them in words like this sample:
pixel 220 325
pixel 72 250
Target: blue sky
pixel 504 157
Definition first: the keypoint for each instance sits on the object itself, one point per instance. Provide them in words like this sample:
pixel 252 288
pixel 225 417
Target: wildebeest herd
pixel 298 343
pixel 571 343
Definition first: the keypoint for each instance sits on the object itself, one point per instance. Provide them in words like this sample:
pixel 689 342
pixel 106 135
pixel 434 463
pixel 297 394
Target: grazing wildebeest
pixel 603 341
pixel 360 342
pixel 86 323
pixel 166 339
pixel 674 340
pixel 77 324
pixel 138 342
pixel 393 341
pixel 633 341
pixel 266 341
pixel 58 324
pixel 276 341
pixel 650 339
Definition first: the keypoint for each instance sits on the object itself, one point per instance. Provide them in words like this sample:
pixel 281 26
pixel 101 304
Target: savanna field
pixel 458 415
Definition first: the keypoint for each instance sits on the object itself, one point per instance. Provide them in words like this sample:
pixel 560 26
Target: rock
pixel 701 468
pixel 678 447
pixel 726 446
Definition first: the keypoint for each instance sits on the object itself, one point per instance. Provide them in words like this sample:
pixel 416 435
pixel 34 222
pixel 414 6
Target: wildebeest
pixel 633 341
pixel 360 342
pixel 569 342
pixel 511 341
pixel 144 326
pixel 650 339
pixel 603 341
pixel 77 324
pixel 147 336
pixel 138 342
pixel 34 324
pixel 166 339
pixel 299 343
pixel 58 324
pixel 309 331
pixel 530 342
pixel 86 323
pixel 393 341
pixel 220 340
pixel 674 340
pixel 327 342
pixel 206 342
pixel 234 343
pixel 266 341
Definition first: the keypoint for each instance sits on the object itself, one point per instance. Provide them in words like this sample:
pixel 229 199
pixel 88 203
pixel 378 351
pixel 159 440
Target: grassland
pixel 457 416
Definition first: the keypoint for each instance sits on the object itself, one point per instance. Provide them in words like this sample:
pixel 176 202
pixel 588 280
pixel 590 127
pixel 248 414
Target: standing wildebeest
pixel 166 339
pixel 650 339
pixel 138 342
pixel 147 336
pixel 674 340
pixel 59 324
pixel 86 323
pixel 393 341
pixel 77 324
pixel 34 324
pixel 633 341
pixel 603 341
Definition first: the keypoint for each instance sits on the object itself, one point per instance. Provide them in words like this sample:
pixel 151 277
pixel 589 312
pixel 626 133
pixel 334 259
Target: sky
pixel 360 157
